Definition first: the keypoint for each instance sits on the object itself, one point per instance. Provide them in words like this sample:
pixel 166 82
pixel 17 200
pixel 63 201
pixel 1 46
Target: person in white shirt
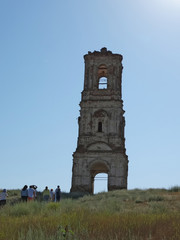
pixel 3 196
pixel 31 193
pixel 52 195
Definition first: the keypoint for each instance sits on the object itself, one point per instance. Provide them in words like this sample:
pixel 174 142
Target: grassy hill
pixel 152 214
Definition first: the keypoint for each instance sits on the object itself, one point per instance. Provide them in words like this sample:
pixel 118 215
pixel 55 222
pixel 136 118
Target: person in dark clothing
pixel 58 194
pixel 24 193
pixel 3 196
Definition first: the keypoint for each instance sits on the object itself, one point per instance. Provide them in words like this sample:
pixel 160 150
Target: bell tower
pixel 101 142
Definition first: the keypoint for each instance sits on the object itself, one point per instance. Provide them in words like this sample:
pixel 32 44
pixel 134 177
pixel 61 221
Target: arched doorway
pixel 101 183
pixel 99 167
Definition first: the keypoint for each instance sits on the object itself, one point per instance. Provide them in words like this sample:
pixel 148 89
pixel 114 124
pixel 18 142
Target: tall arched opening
pixel 101 183
pixel 99 167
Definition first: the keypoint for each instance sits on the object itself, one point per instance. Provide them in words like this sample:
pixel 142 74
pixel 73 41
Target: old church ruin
pixel 101 142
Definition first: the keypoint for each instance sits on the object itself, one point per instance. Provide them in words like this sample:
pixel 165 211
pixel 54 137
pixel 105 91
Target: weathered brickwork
pixel 101 142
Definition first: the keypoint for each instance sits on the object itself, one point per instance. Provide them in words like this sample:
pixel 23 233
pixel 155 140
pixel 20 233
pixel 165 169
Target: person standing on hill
pixel 3 196
pixel 58 194
pixel 52 195
pixel 31 193
pixel 24 193
pixel 35 189
pixel 46 194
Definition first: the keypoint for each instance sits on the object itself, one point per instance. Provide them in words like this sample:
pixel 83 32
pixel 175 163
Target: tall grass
pixel 125 215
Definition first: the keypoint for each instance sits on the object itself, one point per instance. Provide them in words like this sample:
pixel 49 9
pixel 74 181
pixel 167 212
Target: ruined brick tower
pixel 101 142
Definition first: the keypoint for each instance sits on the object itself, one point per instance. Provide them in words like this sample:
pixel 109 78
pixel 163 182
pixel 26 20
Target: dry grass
pixel 119 215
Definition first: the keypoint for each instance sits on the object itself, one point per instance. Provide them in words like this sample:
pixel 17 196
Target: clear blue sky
pixel 42 44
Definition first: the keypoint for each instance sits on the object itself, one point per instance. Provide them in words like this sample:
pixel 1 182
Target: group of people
pixel 51 195
pixel 30 194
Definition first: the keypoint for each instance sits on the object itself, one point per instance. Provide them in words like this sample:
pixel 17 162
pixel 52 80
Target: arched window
pixel 99 126
pixel 102 77
pixel 102 83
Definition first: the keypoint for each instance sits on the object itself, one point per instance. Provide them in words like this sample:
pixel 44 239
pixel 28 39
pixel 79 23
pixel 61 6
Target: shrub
pixel 174 189
pixel 53 206
pixel 62 233
pixel 156 198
